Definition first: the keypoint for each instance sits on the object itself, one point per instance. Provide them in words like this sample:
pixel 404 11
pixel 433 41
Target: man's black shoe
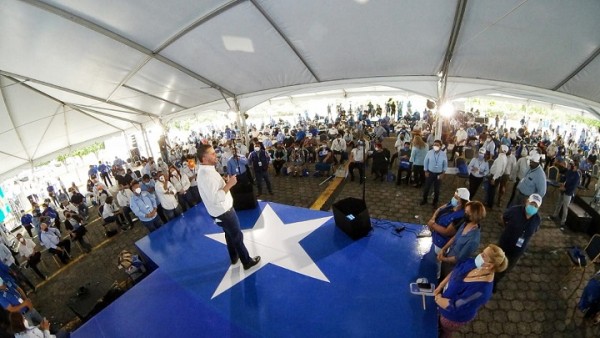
pixel 252 262
pixel 235 260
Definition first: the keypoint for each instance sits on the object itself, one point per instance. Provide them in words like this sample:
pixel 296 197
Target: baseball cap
pixel 534 156
pixel 482 150
pixel 535 198
pixel 463 193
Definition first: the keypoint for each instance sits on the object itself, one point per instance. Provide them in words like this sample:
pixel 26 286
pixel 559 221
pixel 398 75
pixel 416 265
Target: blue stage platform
pixel 313 281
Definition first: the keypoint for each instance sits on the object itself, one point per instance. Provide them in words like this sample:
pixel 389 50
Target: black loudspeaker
pixel 352 217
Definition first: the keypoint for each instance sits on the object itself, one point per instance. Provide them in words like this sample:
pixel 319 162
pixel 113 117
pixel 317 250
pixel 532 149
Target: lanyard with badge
pixel 436 158
pixel 521 239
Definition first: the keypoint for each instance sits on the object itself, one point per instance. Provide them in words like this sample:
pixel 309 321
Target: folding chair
pixel 580 259
pixel 469 153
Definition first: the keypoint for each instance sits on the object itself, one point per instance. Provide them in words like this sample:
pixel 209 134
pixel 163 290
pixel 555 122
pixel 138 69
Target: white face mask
pixel 479 261
pixel 436 148
pixel 138 190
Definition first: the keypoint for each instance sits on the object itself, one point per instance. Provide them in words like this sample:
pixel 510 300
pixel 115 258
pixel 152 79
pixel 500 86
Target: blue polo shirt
pixel 435 162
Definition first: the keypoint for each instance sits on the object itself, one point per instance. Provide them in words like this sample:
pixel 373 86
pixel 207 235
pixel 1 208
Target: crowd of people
pixel 189 171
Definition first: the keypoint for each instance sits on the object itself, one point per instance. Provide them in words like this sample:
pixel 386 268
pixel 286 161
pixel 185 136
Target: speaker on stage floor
pixel 352 217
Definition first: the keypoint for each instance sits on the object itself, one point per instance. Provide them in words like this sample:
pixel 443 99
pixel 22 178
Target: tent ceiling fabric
pixel 72 71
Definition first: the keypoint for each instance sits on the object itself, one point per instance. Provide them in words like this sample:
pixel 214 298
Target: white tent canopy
pixel 72 71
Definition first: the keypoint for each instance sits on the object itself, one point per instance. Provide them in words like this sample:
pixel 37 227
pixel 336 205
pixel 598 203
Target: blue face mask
pixel 479 261
pixel 481 156
pixel 454 202
pixel 531 210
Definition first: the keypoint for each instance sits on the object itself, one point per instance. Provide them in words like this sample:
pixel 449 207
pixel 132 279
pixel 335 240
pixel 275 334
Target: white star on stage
pixel 276 243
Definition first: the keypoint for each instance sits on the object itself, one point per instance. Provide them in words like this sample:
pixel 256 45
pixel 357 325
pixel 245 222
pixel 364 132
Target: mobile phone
pixel 424 286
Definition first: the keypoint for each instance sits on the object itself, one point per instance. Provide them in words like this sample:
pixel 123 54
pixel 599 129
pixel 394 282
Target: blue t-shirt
pixel 465 298
pixel 446 217
pixel 464 244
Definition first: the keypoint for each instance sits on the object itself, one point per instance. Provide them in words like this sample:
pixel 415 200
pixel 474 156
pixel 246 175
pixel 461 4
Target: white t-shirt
pixel 210 186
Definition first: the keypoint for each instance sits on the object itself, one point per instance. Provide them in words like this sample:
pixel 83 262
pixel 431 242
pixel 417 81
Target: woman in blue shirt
pixel 466 241
pixel 467 288
pixel 417 157
pixel 447 219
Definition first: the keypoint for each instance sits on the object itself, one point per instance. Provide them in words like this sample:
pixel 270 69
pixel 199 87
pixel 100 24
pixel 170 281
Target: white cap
pixel 534 156
pixel 482 150
pixel 463 193
pixel 535 198
pixel 504 148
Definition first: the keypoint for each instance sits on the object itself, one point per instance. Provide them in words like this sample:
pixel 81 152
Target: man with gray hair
pixel 534 181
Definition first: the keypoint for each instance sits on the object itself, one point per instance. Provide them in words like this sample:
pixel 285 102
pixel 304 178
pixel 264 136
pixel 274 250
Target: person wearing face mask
pixel 298 159
pixel 27 249
pixel 534 181
pixel 51 239
pixel 520 223
pixel 465 241
pixel 478 170
pixel 22 329
pixel 357 162
pixel 490 147
pixel 568 190
pixel 182 186
pixel 144 206
pixel 190 172
pixel 435 165
pixel 123 198
pixel 403 156
pixel 467 288
pixel 381 161
pixel 14 300
pixel 446 219
pixel 460 141
pixel 166 195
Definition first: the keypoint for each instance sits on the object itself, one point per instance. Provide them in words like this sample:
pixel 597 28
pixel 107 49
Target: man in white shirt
pixel 219 204
pixel 511 162
pixel 191 174
pixel 51 239
pixel 461 140
pixel 496 172
pixel 123 199
pixel 112 213
pixel 166 195
pixel 27 250
pixel 338 146
pixel 357 161
pixel 182 185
